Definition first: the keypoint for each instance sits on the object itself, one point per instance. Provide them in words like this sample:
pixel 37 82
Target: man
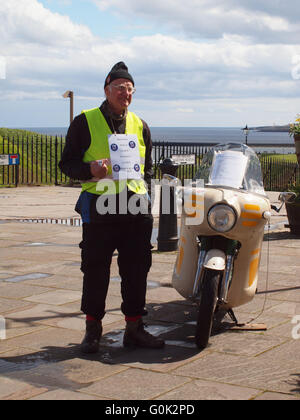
pixel 109 150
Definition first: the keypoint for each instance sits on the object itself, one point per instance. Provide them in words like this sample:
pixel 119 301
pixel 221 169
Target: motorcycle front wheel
pixel 207 307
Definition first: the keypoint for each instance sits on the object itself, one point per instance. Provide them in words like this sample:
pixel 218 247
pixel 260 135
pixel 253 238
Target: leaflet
pixel 228 169
pixel 125 156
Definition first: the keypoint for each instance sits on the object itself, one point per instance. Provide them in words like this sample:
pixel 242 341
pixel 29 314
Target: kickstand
pixel 232 316
pixel 245 327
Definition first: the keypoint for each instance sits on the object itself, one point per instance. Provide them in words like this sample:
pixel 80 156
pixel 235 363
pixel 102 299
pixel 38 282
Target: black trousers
pixel 132 240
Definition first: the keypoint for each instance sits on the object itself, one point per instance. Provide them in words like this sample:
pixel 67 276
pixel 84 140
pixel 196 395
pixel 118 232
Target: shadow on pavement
pixel 279 236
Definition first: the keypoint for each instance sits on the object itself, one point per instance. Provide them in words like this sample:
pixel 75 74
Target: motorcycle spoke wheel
pixel 206 308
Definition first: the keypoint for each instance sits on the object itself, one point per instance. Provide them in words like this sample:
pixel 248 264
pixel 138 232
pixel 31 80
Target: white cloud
pixel 267 21
pixel 28 21
pixel 39 45
pixel 46 53
pixel 160 62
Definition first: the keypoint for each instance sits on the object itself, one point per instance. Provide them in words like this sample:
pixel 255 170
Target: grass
pixel 291 157
pixel 16 132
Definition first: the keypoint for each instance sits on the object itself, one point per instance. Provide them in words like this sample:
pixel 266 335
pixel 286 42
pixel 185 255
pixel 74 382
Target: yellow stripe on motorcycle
pixel 253 271
pixel 251 207
pixel 250 223
pixel 256 251
pixel 247 215
pixel 180 255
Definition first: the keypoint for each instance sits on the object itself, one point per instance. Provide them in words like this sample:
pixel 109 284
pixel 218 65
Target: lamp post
pixel 70 94
pixel 246 132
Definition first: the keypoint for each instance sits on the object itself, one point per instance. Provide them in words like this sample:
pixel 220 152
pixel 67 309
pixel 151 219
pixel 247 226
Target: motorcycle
pixel 221 234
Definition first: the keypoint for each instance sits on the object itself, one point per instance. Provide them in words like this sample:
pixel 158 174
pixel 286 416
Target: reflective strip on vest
pixel 99 150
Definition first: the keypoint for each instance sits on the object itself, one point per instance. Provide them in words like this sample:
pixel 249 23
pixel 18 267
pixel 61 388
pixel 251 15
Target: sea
pixel 205 135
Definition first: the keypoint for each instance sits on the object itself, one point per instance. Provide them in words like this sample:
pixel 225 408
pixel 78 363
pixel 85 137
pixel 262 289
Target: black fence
pixel 163 150
pixel 39 157
pixel 279 175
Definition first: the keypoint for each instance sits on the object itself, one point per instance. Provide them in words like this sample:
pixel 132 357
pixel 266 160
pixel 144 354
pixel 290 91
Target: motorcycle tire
pixel 207 307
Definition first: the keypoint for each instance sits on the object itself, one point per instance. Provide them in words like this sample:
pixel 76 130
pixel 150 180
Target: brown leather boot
pixel 91 341
pixel 136 336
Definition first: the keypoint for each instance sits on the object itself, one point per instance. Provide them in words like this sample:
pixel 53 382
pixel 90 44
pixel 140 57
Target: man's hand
pixel 99 168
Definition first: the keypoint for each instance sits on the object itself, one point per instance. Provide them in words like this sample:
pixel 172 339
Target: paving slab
pixel 135 384
pixel 57 297
pixel 243 371
pixel 11 389
pixel 64 395
pixel 13 291
pixel 40 294
pixel 210 390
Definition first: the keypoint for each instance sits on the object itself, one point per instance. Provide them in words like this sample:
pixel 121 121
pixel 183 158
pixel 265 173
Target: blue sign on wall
pixel 14 159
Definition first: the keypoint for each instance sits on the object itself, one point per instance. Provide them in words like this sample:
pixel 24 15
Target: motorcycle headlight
pixel 221 218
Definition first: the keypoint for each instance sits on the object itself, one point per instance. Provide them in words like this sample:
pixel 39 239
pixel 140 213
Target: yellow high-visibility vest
pixel 99 149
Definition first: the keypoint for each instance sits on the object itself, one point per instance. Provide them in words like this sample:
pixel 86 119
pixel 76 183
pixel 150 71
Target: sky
pixel 195 63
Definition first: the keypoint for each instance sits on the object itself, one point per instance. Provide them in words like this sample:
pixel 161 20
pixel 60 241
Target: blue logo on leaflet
pixel 114 147
pixel 132 144
pixel 116 168
pixel 136 167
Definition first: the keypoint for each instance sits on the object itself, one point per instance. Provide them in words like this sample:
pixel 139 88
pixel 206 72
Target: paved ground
pixel 40 291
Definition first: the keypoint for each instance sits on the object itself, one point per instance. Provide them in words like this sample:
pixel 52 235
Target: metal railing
pixel 39 157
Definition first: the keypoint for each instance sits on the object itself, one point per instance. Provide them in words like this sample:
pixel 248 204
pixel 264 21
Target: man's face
pixel 119 95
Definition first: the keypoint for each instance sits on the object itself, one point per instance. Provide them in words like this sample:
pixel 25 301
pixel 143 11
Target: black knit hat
pixel 119 71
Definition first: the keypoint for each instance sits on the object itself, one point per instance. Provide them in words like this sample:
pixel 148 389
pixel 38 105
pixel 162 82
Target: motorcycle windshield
pixel 232 165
